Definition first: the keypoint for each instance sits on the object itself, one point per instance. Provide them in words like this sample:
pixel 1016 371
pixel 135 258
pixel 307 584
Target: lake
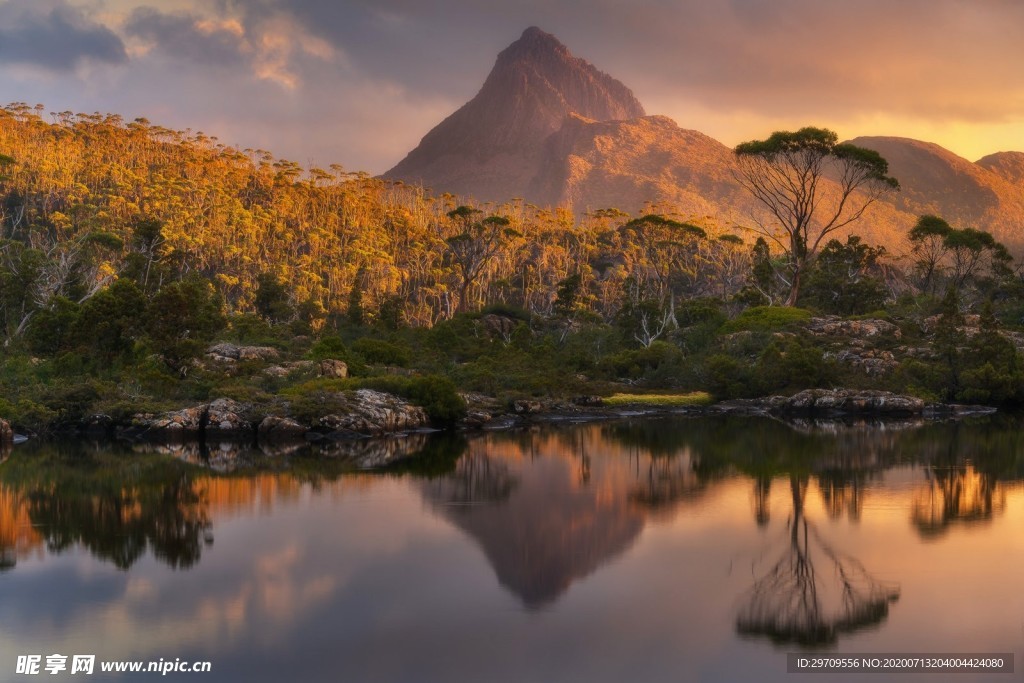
pixel 672 549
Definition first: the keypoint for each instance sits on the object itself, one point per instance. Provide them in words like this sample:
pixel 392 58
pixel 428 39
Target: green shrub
pixel 793 365
pixel 727 377
pixel 637 362
pixel 249 328
pixel 329 348
pixel 507 311
pixel 380 352
pixel 28 414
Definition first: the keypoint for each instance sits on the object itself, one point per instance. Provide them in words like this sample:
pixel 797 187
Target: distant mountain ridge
pixel 552 129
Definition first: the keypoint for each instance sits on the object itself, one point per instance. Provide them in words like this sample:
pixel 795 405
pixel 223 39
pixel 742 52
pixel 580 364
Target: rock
pixel 476 419
pixel 97 425
pixel 274 428
pixel 588 401
pixel 223 353
pixel 276 371
pixel 847 401
pixel 498 326
pixel 288 368
pixel 332 368
pixel 871 362
pixel 184 422
pixel 375 412
pixel 526 407
pixel 258 353
pixel 6 433
pixel 741 406
pixel 475 401
pixel 931 323
pixel 225 417
pixel 834 326
pixel 230 353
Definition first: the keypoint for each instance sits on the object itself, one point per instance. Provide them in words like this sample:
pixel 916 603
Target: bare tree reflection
pixel 798 601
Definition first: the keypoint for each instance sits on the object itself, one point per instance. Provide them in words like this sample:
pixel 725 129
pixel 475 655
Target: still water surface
pixel 653 550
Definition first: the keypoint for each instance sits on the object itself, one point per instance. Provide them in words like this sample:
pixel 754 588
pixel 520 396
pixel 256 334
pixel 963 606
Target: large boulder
pixel 178 423
pixel 274 428
pixel 6 433
pixel 221 418
pixel 527 406
pixel 332 368
pixel 258 353
pixel 225 417
pixel 223 353
pixel 369 412
pixel 498 326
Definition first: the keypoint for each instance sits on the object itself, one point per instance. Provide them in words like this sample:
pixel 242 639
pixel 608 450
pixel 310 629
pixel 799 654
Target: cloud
pixel 272 44
pixel 952 58
pixel 187 36
pixel 54 35
pixel 361 81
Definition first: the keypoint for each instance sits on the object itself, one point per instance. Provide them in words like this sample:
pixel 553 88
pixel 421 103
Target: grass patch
pixel 695 398
pixel 766 319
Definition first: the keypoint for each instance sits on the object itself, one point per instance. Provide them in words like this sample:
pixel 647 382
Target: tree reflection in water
pixel 762 500
pixel 955 494
pixel 117 506
pixel 669 479
pixel 798 600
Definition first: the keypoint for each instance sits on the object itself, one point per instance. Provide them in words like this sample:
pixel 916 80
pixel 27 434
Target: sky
pixel 359 82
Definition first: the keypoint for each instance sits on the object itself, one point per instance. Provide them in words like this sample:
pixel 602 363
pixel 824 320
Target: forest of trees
pixel 126 248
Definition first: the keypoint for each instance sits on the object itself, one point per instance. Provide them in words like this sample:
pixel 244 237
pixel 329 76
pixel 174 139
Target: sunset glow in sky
pixel 358 82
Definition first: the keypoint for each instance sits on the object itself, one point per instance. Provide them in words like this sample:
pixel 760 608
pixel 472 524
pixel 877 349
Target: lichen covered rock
pixel 368 412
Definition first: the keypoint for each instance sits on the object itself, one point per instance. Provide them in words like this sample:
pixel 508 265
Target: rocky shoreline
pixel 365 413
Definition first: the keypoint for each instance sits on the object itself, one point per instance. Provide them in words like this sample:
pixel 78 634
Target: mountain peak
pixel 534 34
pixel 491 147
pixel 534 43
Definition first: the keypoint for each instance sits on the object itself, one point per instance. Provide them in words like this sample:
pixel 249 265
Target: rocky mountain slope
pixel 1007 165
pixel 492 146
